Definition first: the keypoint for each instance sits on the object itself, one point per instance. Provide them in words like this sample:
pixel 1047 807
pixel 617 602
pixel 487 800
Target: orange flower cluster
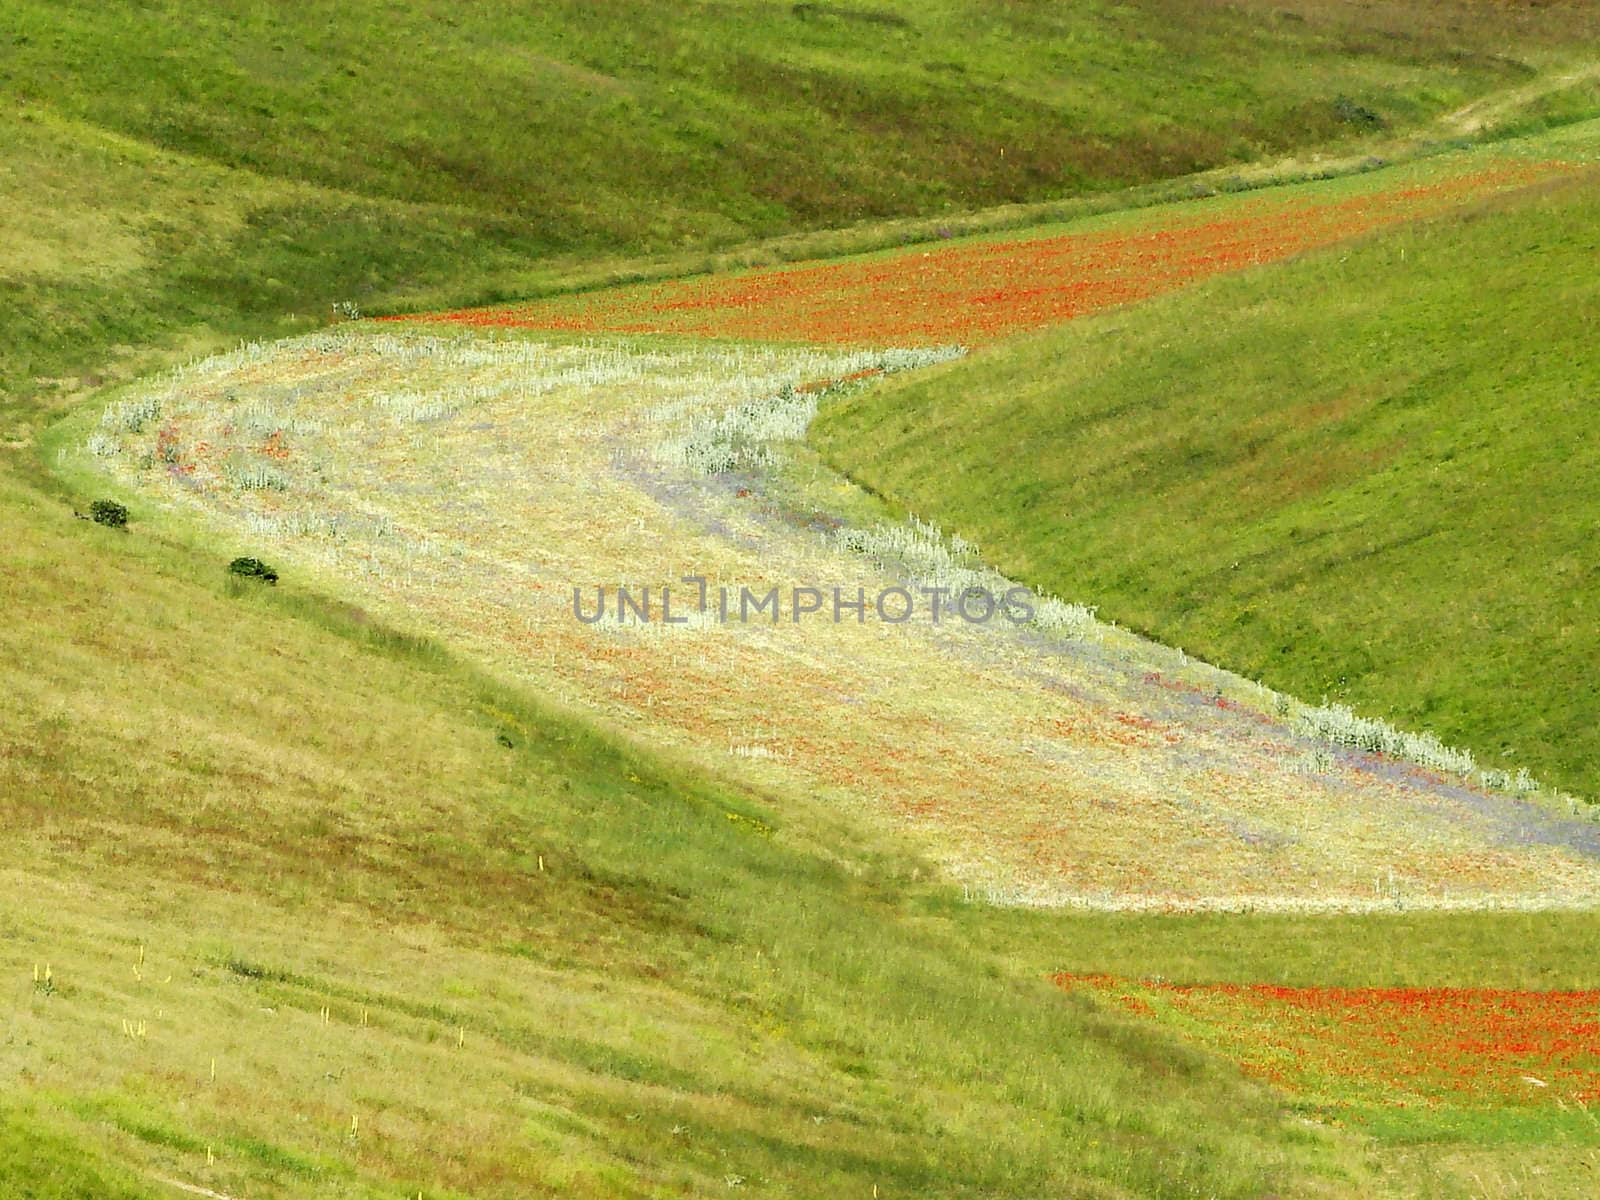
pixel 980 290
pixel 1475 1046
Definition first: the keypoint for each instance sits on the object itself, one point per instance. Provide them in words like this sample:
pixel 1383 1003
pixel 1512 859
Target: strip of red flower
pixel 1394 1046
pixel 981 290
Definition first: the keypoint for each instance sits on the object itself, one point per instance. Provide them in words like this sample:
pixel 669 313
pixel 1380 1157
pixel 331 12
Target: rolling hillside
pixel 1361 474
pixel 298 901
pixel 296 906
pixel 175 166
pixel 641 125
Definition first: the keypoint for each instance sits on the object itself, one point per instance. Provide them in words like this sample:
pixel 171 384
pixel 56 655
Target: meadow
pixel 390 881
pixel 1354 476
pixel 185 172
pixel 472 485
pixel 297 922
pixel 612 128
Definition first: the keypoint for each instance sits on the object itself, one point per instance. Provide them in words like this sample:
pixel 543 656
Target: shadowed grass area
pixel 1540 951
pixel 176 165
pixel 645 125
pixel 1360 475
pixel 114 248
pixel 39 1163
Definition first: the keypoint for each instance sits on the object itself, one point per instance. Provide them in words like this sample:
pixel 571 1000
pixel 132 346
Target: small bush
pixel 109 512
pixel 252 568
pixel 1351 113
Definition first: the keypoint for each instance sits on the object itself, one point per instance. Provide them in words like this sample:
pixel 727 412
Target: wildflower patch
pixel 1385 1046
pixel 984 289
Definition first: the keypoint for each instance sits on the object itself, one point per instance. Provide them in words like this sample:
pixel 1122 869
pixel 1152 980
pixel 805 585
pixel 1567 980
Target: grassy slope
pixel 1364 474
pixel 290 808
pixel 37 1162
pixel 113 245
pixel 229 164
pixel 615 124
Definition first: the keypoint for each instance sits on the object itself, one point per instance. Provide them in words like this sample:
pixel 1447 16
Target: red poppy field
pixel 1461 1047
pixel 975 291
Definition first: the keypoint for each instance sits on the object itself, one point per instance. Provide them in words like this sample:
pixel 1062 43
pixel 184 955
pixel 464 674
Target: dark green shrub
pixel 109 512
pixel 1351 113
pixel 252 568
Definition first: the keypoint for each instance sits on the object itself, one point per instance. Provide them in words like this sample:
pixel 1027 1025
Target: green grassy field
pixel 613 126
pixel 230 809
pixel 174 165
pixel 227 812
pixel 295 904
pixel 1359 475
